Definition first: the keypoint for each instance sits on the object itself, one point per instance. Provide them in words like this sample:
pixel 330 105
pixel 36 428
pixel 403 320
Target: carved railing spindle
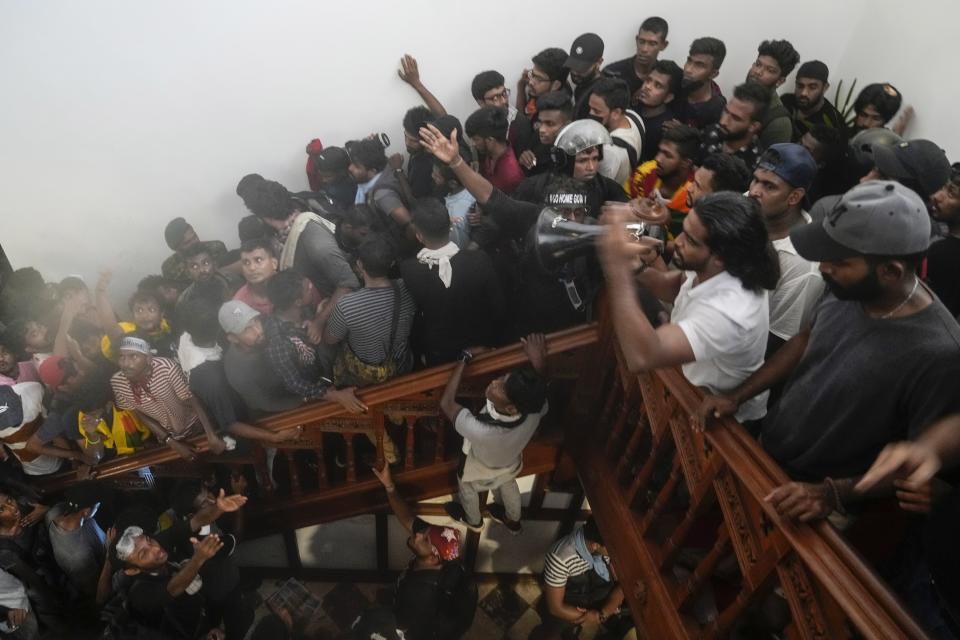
pixel 322 481
pixel 410 444
pixel 351 458
pixel 293 472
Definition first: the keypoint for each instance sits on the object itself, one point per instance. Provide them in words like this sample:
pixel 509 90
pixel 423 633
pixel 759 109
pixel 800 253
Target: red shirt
pixel 505 174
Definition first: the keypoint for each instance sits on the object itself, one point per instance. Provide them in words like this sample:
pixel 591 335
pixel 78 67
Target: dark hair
pixel 613 91
pixel 267 199
pixel 155 281
pixel 249 182
pixel 487 122
pixel 416 118
pixel 377 254
pixel 655 24
pixel 483 82
pixel 183 495
pixel 673 71
pixel 367 153
pixel 754 93
pixel 198 317
pixel 781 51
pixel 883 96
pixel 94 393
pixel 730 173
pixel 913 261
pixel 71 284
pixel 259 243
pixel 556 101
pixel 736 234
pixel 141 296
pixel 551 61
pixel 431 218
pixel 11 342
pixel 687 140
pixel 81 330
pixel 175 230
pixel 251 227
pixel 835 146
pixel 709 46
pixel 196 249
pixel 591 531
pixel 284 289
pixel 361 215
pixel 526 389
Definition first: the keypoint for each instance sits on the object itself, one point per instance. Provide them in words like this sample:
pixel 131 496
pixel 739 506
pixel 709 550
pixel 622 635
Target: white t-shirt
pixel 31 398
pixel 727 328
pixel 798 291
pixel 616 163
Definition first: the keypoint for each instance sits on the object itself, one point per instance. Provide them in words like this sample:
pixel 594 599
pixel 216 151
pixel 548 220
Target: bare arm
pixel 447 150
pixel 558 608
pixel 108 318
pixel 409 72
pixel 448 401
pixel 35 446
pixel 61 342
pixel 397 504
pixel 215 442
pixel 320 322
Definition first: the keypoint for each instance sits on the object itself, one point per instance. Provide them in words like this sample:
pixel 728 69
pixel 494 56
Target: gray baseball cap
pixel 879 217
pixel 235 316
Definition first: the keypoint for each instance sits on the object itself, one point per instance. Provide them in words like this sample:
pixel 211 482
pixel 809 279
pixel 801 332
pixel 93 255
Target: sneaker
pixel 498 513
pixel 456 512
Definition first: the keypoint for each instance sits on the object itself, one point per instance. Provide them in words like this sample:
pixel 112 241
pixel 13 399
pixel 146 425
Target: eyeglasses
pixel 538 78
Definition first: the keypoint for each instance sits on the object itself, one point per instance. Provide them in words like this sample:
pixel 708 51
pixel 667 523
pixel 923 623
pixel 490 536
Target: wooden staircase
pixel 693 543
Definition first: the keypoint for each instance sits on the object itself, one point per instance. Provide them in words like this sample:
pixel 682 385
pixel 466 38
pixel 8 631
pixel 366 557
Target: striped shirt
pixel 164 396
pixel 364 318
pixel 563 562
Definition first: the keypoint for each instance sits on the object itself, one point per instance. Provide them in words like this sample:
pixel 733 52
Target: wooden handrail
pixel 309 414
pixel 824 579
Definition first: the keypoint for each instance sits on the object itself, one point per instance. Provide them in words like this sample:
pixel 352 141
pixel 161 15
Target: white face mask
pixel 496 415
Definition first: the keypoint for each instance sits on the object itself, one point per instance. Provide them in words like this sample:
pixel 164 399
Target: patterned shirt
pixel 164 396
pixel 293 358
pixel 713 144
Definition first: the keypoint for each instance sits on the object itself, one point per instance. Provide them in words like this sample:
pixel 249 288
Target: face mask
pixel 496 415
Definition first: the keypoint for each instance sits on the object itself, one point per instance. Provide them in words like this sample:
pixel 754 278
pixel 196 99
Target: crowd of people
pixel 796 264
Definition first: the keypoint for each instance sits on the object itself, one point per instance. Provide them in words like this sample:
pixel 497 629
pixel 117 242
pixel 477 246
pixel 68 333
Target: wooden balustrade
pixel 694 545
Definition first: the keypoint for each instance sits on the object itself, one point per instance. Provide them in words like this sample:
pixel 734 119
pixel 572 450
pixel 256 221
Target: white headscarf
pixel 440 258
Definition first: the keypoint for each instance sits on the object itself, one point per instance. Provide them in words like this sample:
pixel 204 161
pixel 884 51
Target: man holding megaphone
pixel 720 317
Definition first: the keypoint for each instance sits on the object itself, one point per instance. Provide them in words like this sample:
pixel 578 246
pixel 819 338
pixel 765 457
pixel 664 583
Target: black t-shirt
pixel 602 189
pixel 208 382
pixel 521 134
pixel 436 604
pixel 862 383
pixel 420 174
pixel 943 272
pixel 826 115
pixel 581 98
pixel 625 70
pixel 700 114
pixel 653 134
pixel 470 312
pixel 146 593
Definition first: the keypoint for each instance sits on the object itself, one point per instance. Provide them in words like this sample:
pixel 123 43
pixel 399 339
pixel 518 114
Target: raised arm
pixel 447 150
pixel 409 72
pixel 448 401
pixel 397 504
pixel 108 318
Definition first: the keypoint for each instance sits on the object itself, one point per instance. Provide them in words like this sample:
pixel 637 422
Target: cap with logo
pixel 585 52
pixel 790 161
pixel 235 316
pixel 919 164
pixel 879 217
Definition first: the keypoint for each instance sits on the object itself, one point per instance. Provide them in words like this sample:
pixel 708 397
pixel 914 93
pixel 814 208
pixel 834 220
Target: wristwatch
pixel 465 356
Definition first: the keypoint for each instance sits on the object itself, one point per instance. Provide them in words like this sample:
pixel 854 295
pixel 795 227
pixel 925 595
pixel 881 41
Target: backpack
pixel 451 595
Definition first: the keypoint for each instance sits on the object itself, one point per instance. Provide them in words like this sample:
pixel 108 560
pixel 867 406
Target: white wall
pixel 117 115
pixel 912 47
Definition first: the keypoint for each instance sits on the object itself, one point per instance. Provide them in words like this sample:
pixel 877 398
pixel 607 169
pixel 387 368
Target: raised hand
pixel 535 347
pixel 383 475
pixel 444 149
pixel 228 504
pixel 409 72
pixel 206 548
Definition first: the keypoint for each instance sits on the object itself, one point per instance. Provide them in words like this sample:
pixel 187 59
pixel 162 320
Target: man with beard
pixel 718 172
pixel 657 95
pixel 807 105
pixel 586 56
pixel 720 317
pixel 740 122
pixel 547 74
pixel 702 103
pixel 608 102
pixel 651 40
pixel 775 60
pixel 487 129
pixel 666 178
pixel 878 363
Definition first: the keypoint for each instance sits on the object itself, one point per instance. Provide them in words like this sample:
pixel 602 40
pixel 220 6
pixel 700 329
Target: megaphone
pixel 558 240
